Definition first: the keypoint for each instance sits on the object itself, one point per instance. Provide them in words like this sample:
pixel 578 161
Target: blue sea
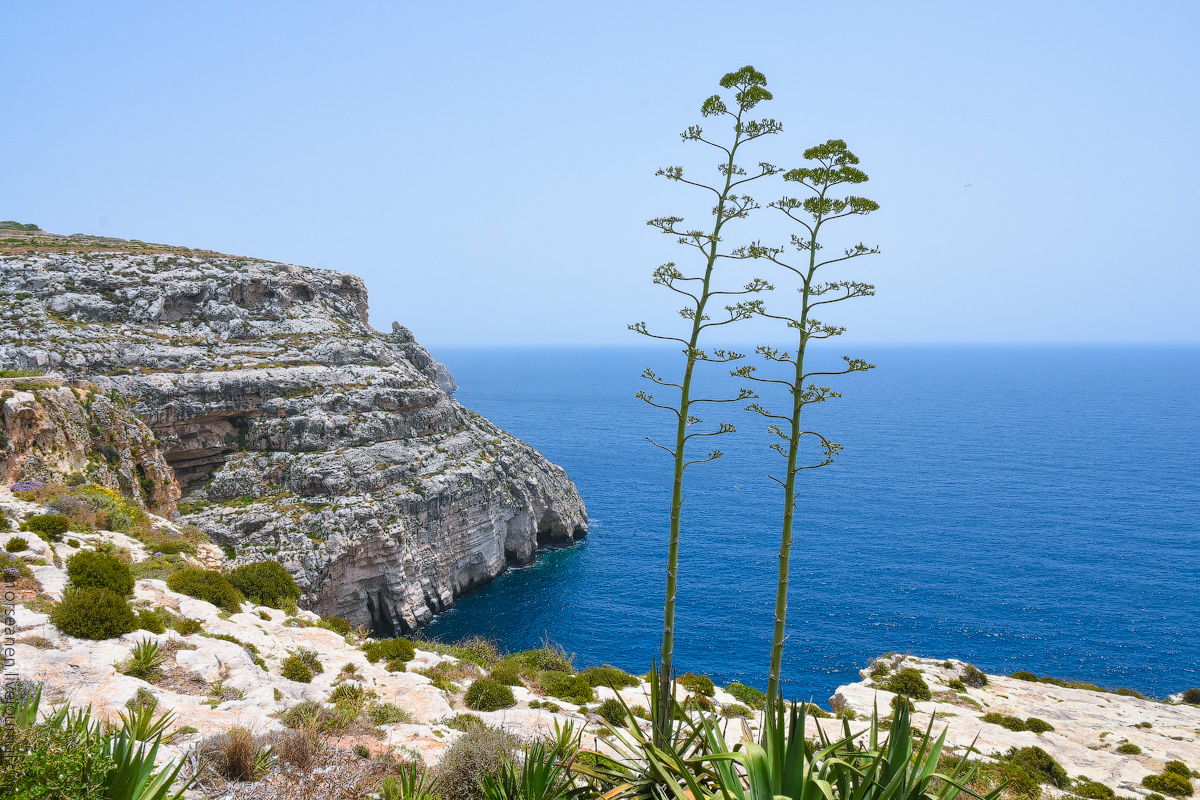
pixel 1030 508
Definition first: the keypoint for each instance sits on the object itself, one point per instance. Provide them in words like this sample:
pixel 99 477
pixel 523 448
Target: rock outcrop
pixel 295 430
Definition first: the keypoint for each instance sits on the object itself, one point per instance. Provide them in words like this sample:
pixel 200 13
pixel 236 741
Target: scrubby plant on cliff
pixel 488 694
pixel 266 583
pixel 90 568
pixel 572 688
pixel 700 293
pixel 294 669
pixel 1192 696
pixel 974 677
pixel 1169 783
pixel 609 676
pixel 93 612
pixel 831 166
pixel 697 684
pixel 909 683
pixel 16 545
pixel 208 585
pixel 748 695
pixel 49 527
pixel 389 650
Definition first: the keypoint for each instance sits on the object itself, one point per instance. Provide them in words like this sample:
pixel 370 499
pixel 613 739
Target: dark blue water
pixel 1019 507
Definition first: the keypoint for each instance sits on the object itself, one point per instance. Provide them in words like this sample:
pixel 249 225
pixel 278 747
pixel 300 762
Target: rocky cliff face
pixel 296 431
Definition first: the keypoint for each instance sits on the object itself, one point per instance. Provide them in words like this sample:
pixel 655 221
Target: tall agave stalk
pixel 835 166
pixel 700 292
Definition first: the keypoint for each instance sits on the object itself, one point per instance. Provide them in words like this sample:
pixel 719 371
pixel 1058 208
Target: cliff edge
pixel 294 430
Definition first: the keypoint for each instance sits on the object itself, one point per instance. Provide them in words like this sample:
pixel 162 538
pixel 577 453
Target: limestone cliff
pixel 296 431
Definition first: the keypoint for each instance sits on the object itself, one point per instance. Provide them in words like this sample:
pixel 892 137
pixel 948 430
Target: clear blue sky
pixel 488 167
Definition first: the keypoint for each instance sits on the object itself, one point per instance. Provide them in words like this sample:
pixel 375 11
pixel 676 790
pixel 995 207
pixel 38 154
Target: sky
pixel 488 168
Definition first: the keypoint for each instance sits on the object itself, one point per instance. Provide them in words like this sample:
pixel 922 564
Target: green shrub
pixel 1012 723
pixel 49 527
pixel 337 625
pixel 697 684
pixel 151 620
pixel 1192 696
pixel 265 583
pixel 1129 749
pixel 16 545
pixel 185 626
pixel 1168 783
pixel 478 650
pixel 89 568
pixel 698 702
pixel 736 711
pixel 208 585
pixel 309 659
pixel 814 711
pixel 305 714
pixel 609 676
pixel 973 676
pixel 1178 768
pixel 908 682
pixel 748 695
pixel 506 673
pixel 389 650
pixel 156 568
pixel 12 567
pixel 957 685
pixel 566 687
pixel 613 711
pixel 296 670
pixel 1024 675
pixel 478 753
pixel 1092 790
pixel 465 722
pixel 1038 726
pixel 395 665
pixel 388 714
pixel 548 657
pixel 488 694
pixel 146 660
pixel 1040 764
pixel 93 612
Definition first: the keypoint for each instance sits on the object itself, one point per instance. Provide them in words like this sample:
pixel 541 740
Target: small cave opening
pixel 382 626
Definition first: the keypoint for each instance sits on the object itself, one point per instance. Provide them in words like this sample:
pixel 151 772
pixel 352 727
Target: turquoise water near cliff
pixel 1018 507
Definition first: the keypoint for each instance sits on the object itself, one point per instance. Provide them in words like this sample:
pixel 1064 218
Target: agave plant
pixel 135 778
pixel 142 726
pixel 145 660
pixel 413 782
pixel 544 773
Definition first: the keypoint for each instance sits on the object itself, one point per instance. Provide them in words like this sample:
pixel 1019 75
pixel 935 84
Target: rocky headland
pixel 254 400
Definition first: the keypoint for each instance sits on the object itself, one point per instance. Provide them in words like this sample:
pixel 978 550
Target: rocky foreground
pixel 229 673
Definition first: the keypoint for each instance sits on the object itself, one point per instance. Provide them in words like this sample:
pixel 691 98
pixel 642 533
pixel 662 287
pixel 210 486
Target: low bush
pixel 974 677
pixel 736 711
pixel 93 612
pixel 1192 696
pixel 49 527
pixel 613 711
pixel 295 749
pixel 1012 723
pixel 337 625
pixel 185 626
pixel 16 545
pixel 1024 675
pixel 476 649
pixel 309 659
pixel 90 568
pixel 1038 725
pixel 748 695
pixel 464 722
pixel 388 714
pixel 1092 790
pixel 478 753
pixel 1177 768
pixel 294 669
pixel 572 688
pixel 208 585
pixel 697 684
pixel 957 685
pixel 548 657
pixel 389 650
pixel 1129 749
pixel 396 665
pixel 488 694
pixel 610 676
pixel 909 683
pixel 305 714
pixel 1040 764
pixel 265 583
pixel 506 673
pixel 1168 783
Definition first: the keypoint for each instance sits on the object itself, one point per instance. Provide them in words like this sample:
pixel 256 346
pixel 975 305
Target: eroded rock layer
pixel 296 431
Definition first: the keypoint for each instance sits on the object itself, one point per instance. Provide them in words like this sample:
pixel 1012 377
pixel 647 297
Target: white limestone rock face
pixel 1089 726
pixel 296 431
